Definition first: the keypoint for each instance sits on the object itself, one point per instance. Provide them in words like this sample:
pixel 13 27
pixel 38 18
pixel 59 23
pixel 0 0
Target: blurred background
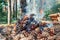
pixel 12 10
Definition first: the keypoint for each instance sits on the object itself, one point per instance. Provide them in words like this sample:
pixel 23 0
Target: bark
pixel 9 12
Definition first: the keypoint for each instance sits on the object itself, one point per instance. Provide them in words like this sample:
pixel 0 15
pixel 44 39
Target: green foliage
pixel 3 15
pixel 54 9
pixel 47 13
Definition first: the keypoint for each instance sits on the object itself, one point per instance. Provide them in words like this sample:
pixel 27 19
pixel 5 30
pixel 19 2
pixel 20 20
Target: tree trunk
pixel 9 12
pixel 16 9
pixel 12 3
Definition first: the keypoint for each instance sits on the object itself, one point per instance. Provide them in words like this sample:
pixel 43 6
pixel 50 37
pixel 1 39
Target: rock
pixel 37 29
pixel 30 37
pixel 2 37
pixel 39 36
pixel 6 30
pixel 58 38
pixel 45 34
pixel 9 38
pixel 1 28
pixel 13 33
pixel 52 32
pixel 24 38
pixel 17 37
pixel 57 29
pixel 58 34
pixel 51 37
pixel 46 29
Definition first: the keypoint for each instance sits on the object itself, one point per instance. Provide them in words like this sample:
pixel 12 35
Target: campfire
pixel 29 29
